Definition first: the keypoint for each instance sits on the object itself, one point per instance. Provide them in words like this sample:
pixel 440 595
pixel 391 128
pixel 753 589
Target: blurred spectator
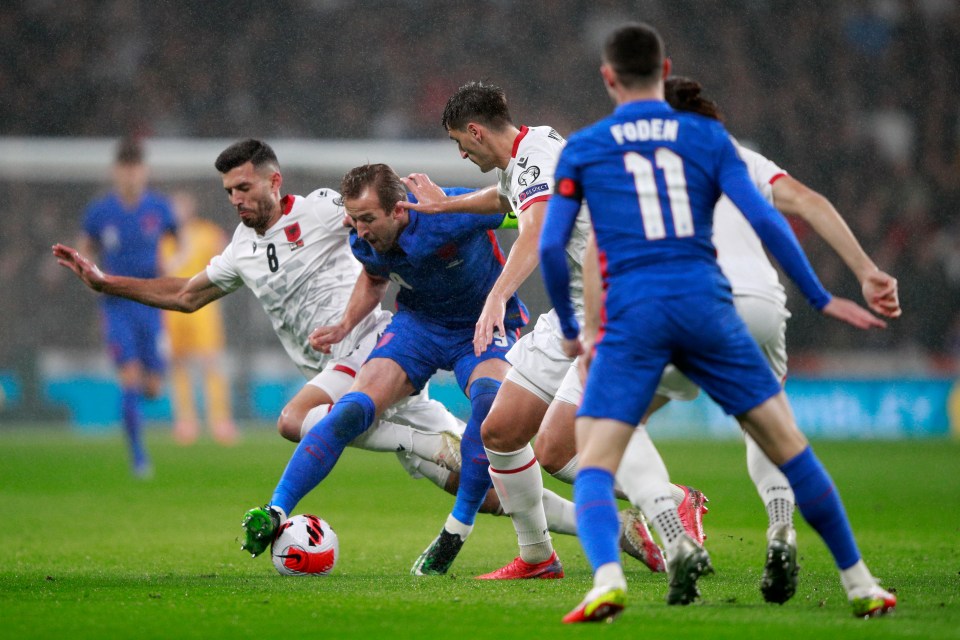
pixel 857 97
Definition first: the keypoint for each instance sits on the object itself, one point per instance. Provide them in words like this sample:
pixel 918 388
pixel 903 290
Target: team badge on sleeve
pixel 532 191
pixel 529 176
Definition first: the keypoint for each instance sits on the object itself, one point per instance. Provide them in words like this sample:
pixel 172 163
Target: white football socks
pixel 430 470
pixel 313 416
pixel 516 477
pixel 677 494
pixel 772 485
pixel 569 470
pixel 645 481
pixel 561 513
pixel 452 525
pixel 610 575
pixel 384 435
pixel 857 580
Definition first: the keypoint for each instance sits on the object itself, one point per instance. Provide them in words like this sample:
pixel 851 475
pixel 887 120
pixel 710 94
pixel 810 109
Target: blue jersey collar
pixel 646 106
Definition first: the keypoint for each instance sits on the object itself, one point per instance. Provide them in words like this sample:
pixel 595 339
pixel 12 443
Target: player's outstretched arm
pixel 879 288
pixel 432 199
pixel 779 238
pixel 367 295
pixel 175 294
pixel 89 273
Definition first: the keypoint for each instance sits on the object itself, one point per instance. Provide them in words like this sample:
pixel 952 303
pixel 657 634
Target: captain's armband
pixel 569 189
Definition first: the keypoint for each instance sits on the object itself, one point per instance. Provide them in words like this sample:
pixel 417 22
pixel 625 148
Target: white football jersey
pixel 301 270
pixel 528 178
pixel 739 251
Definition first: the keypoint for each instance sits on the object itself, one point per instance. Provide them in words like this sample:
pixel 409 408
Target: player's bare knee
pixel 289 424
pixel 497 434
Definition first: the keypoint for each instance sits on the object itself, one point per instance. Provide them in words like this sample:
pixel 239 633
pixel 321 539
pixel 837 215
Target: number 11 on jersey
pixel 648 195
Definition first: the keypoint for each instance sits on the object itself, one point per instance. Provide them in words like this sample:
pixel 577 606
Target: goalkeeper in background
pixel 196 339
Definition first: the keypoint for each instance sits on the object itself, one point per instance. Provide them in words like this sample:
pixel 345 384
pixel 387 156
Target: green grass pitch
pixel 87 552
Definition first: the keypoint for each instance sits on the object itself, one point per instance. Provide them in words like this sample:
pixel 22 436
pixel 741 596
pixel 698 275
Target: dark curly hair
pixel 685 94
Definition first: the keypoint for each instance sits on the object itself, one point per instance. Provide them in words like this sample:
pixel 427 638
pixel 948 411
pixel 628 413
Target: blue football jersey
pixel 651 177
pixel 444 265
pixel 128 239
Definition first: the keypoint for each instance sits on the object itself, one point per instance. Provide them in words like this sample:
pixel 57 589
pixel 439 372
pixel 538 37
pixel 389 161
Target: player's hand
pixel 88 272
pixel 491 320
pixel 850 312
pixel 429 196
pixel 881 294
pixel 323 338
pixel 572 348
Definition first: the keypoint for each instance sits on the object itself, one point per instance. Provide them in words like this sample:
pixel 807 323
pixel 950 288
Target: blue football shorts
pixel 702 335
pixel 422 347
pixel 134 332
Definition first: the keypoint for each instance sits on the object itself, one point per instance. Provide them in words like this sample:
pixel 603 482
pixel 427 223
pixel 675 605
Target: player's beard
pixel 261 215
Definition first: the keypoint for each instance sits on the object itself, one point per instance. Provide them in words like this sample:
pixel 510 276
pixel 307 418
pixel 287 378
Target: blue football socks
pixel 320 449
pixel 474 471
pixel 820 505
pixel 597 524
pixel 133 425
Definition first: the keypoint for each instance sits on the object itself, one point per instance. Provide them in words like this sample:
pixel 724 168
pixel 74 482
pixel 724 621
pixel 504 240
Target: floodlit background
pixel 857 99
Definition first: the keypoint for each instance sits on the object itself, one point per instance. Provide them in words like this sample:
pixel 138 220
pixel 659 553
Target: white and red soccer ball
pixel 305 546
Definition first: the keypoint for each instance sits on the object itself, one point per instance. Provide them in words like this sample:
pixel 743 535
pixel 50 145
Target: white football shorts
pixel 766 320
pixel 538 363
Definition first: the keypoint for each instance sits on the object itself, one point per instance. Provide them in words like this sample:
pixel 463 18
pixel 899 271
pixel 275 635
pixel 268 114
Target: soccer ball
pixel 305 546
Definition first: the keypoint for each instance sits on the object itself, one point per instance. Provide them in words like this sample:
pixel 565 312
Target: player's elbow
pixel 188 303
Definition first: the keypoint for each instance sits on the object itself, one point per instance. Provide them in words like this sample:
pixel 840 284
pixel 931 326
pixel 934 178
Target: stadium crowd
pixel 854 98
